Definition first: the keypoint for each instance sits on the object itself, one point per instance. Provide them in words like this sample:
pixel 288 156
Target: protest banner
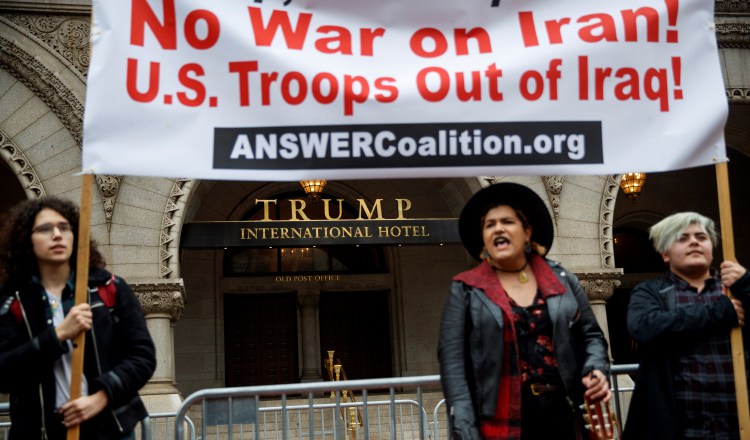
pixel 284 90
pixel 349 89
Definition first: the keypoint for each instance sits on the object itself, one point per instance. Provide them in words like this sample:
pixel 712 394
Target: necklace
pixel 522 277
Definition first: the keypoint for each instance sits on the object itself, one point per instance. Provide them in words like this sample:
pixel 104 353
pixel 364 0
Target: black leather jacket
pixel 119 358
pixel 470 349
pixel 663 332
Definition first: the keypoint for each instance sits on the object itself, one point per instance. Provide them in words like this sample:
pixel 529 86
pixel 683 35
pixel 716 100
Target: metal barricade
pixel 350 420
pixel 5 422
pixel 617 391
pixel 158 426
pixel 617 397
pixel 240 412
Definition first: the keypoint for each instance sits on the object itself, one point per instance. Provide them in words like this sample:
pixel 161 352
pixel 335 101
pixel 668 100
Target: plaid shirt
pixel 704 382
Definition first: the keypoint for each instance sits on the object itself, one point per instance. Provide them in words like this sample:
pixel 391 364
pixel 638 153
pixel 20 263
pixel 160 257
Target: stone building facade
pixel 196 300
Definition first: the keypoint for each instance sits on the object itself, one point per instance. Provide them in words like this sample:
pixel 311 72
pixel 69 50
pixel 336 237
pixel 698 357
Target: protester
pixel 519 344
pixel 681 322
pixel 39 320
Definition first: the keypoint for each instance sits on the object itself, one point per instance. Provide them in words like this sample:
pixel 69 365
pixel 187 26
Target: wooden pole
pixel 81 293
pixel 738 352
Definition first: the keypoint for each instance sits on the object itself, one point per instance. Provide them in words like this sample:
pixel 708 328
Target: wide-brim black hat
pixel 514 195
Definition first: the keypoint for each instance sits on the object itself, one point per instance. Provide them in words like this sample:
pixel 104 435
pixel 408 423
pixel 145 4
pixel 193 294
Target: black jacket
pixel 470 349
pixel 119 358
pixel 662 331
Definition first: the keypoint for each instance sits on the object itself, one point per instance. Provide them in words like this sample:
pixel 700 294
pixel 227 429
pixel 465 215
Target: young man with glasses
pixel 38 322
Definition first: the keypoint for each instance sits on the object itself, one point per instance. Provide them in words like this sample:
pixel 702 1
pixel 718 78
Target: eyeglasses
pixel 49 228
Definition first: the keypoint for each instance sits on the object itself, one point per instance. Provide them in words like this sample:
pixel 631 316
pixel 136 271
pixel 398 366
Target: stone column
pixel 311 354
pixel 162 303
pixel 599 287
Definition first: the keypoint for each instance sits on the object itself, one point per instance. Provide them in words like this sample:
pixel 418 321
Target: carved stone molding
pixel 68 35
pixel 600 285
pixel 21 166
pixel 65 39
pixel 170 229
pixel 554 185
pixel 109 187
pixel 738 95
pixel 731 6
pixel 161 297
pixel 45 84
pixel 606 217
pixel 733 33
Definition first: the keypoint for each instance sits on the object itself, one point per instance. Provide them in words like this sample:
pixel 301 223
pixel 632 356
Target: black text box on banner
pixel 408 145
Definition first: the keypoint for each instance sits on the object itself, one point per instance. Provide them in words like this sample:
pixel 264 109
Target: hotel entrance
pixel 275 280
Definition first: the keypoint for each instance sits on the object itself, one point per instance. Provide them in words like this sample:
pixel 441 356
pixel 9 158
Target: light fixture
pixel 313 188
pixel 632 184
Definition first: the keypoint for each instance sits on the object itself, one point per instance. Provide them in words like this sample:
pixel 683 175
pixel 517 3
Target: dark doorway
pixel 13 192
pixel 356 326
pixel 260 336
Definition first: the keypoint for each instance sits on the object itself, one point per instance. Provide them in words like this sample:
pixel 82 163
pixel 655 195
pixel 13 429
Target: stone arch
pixel 22 167
pixel 585 211
pixel 49 55
pixel 51 77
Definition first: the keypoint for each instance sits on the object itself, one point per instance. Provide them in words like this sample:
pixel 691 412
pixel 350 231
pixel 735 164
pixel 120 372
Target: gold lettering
pixel 358 233
pixel 401 208
pixel 296 232
pixel 424 232
pixel 326 209
pixel 367 231
pixel 242 233
pixel 284 232
pixel 370 212
pixel 383 231
pixel 308 234
pixel 335 232
pixel 274 233
pixel 266 210
pixel 298 210
pixel 347 232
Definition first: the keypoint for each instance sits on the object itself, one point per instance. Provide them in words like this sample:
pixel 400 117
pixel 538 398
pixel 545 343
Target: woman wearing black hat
pixel 519 344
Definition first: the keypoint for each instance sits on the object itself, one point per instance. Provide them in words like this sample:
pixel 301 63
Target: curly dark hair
pixel 17 259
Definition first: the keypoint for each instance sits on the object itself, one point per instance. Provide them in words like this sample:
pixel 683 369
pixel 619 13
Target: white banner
pixel 348 89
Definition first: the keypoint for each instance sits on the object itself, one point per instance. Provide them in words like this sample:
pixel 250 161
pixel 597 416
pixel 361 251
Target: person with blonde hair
pixel 681 322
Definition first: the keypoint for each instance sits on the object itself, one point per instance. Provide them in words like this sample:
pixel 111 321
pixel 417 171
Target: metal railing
pixel 248 412
pixel 4 426
pixel 617 396
pixel 159 426
pixel 620 370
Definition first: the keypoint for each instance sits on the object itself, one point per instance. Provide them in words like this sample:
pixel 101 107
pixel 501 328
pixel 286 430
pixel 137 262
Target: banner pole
pixel 738 352
pixel 82 278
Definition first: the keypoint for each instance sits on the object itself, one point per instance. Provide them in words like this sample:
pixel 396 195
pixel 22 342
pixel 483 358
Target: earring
pixel 484 255
pixel 527 248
